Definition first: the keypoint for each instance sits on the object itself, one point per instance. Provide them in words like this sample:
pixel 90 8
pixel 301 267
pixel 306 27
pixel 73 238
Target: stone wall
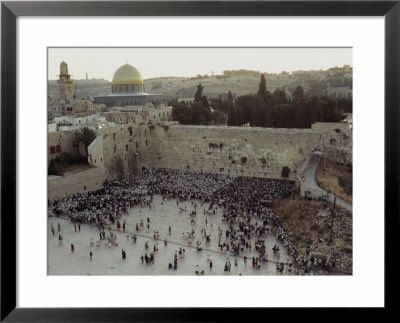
pixel 238 151
pixel 64 139
pixel 95 152
pixel 126 148
pixel 336 141
pixel 73 183
pixel 53 140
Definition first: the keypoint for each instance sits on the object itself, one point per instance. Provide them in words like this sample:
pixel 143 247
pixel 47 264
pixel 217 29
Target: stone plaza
pixel 108 260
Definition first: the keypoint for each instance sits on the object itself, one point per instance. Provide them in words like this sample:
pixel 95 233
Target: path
pixel 310 180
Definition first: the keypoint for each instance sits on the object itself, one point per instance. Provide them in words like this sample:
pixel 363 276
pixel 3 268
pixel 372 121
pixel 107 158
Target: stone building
pixel 65 82
pixel 127 89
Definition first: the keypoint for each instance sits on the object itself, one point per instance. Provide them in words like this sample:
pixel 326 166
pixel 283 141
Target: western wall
pixel 236 151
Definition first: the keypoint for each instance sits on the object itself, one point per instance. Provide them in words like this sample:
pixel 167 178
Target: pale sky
pixel 157 62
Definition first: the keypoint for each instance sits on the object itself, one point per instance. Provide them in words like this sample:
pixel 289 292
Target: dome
pixel 127 74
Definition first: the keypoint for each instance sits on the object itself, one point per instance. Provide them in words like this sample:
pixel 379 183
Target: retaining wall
pixel 73 183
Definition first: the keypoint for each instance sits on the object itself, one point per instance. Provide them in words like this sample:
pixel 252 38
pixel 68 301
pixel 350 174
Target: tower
pixel 65 82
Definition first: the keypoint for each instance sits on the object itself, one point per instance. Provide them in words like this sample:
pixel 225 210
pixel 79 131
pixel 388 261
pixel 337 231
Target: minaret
pixel 64 82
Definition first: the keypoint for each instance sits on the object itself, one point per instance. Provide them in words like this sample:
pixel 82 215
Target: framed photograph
pixel 148 144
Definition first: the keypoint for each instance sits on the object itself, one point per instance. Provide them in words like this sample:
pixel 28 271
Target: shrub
pixel 346 183
pixel 243 159
pixel 285 194
pixel 55 168
pixel 285 172
pixel 308 242
pixel 347 250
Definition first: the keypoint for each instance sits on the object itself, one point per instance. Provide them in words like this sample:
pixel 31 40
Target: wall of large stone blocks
pixel 125 148
pixel 53 140
pixel 74 183
pixel 95 152
pixel 238 151
pixel 336 141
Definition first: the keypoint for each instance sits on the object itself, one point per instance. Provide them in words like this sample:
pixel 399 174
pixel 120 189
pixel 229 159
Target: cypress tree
pixel 262 87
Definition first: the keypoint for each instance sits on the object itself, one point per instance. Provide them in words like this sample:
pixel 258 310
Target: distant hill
pixel 239 82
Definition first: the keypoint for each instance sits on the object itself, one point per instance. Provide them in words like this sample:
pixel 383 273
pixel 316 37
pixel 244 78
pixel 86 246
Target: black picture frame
pixel 9 13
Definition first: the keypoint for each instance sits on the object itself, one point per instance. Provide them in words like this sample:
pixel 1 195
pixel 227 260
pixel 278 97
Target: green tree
pixel 259 112
pixel 329 110
pixel 244 109
pixel 283 116
pixel 301 115
pixel 345 105
pixel 298 94
pixel 204 102
pixel 199 93
pixel 181 112
pixel 200 114
pixel 86 136
pixel 230 99
pixel 268 122
pixel 280 97
pixel 262 87
pixel 218 117
pixel 232 117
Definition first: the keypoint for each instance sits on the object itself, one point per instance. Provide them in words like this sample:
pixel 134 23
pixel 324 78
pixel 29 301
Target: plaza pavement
pixel 108 261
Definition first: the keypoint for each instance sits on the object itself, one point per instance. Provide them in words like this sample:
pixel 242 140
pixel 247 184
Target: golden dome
pixel 127 74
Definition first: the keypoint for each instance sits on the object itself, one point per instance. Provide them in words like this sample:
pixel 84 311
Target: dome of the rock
pixel 127 74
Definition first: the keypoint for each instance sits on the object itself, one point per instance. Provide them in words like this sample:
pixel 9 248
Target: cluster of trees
pixel 85 136
pixel 197 112
pixel 266 109
pixel 345 105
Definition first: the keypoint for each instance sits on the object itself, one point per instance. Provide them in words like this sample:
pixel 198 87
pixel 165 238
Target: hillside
pixel 335 82
pixel 308 223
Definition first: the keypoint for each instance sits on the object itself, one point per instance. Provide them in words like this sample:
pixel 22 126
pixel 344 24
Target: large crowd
pixel 246 203
pixel 106 205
